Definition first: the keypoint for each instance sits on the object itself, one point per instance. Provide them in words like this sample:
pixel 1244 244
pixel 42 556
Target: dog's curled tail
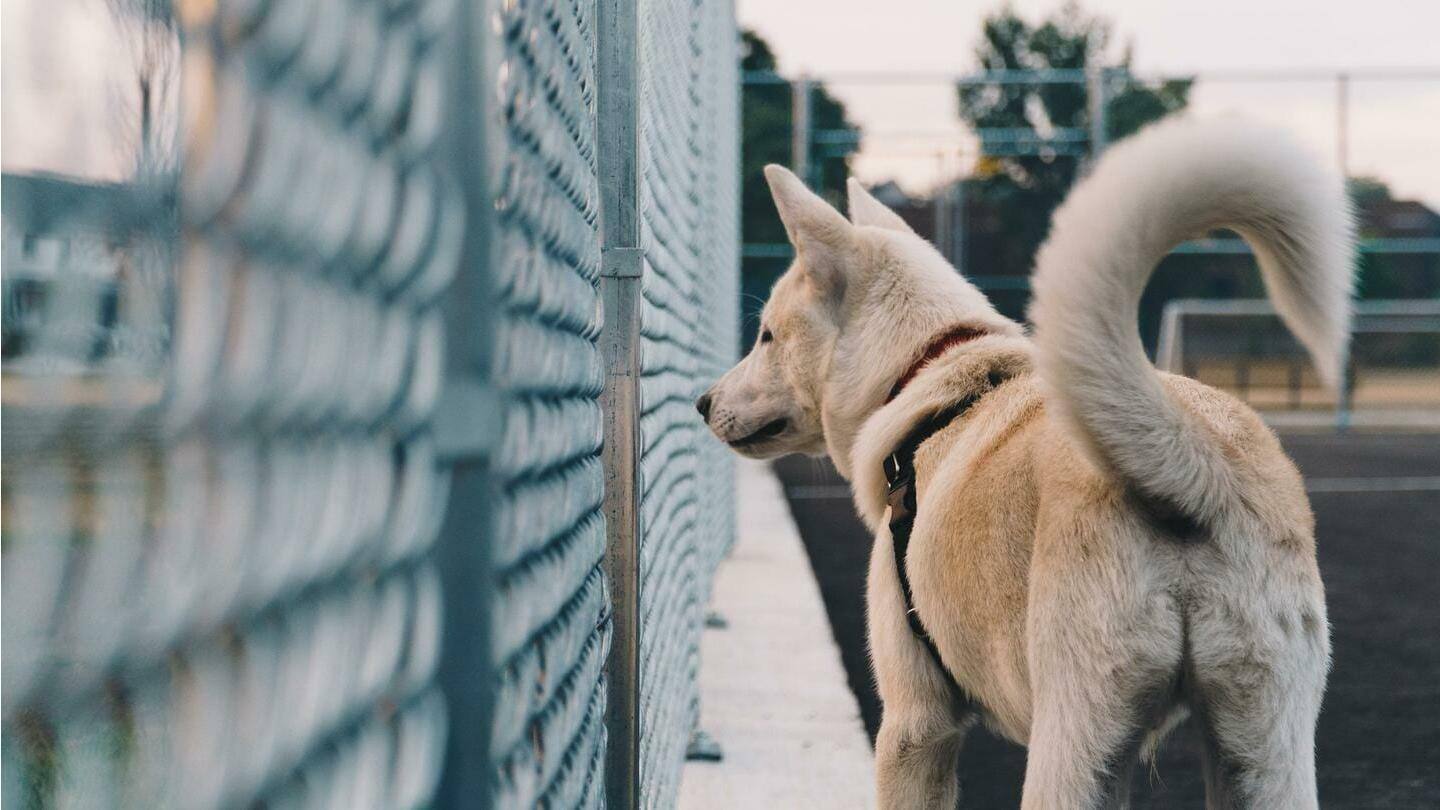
pixel 1171 182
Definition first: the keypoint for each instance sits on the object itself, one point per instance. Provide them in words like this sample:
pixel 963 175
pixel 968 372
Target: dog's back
pixel 1017 522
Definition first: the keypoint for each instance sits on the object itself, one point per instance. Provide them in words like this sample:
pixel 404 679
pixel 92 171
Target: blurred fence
pixel 932 165
pixel 310 418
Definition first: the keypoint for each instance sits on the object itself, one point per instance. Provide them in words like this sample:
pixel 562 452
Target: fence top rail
pixel 1262 307
pixel 1419 244
pixel 1238 247
pixel 1080 76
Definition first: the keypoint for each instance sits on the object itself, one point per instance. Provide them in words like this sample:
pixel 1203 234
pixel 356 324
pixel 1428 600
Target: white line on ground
pixel 819 492
pixel 1401 483
pixel 772 691
pixel 1397 483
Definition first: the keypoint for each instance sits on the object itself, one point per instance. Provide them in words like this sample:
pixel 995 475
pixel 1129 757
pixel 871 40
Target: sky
pixel 64 87
pixel 917 139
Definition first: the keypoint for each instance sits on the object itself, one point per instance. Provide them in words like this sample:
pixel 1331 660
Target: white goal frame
pixel 1393 316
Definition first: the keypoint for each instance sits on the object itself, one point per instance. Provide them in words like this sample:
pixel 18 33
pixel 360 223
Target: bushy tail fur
pixel 1174 181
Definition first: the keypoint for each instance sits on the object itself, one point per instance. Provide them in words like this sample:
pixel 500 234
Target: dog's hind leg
pixel 1256 676
pixel 1084 745
pixel 1105 655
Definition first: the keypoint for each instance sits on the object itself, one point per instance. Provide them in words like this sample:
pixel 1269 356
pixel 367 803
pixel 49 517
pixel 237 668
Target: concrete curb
pixel 772 690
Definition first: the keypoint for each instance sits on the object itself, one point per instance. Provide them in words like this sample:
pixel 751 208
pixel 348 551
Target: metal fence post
pixel 941 209
pixel 1342 122
pixel 1097 89
pixel 1345 396
pixel 622 264
pixel 467 427
pixel 801 126
pixel 957 230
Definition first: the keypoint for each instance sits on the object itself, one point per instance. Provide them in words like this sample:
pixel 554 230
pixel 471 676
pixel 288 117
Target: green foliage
pixel 1382 275
pixel 764 138
pixel 1136 104
pixel 1367 192
pixel 766 117
pixel 1019 192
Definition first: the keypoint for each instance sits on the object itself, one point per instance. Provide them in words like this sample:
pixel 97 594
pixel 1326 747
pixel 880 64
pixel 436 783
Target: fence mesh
pixel 219 484
pixel 717 268
pixel 225 379
pixel 688 194
pixel 550 611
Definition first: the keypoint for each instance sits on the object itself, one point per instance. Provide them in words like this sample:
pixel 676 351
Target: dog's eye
pixel 766 336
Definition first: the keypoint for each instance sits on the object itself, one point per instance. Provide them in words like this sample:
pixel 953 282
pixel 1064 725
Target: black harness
pixel 899 469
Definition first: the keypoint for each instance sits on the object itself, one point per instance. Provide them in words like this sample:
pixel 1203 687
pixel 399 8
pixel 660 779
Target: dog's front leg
pixel 921 729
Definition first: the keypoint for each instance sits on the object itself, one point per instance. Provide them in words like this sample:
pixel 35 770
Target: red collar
pixel 940 344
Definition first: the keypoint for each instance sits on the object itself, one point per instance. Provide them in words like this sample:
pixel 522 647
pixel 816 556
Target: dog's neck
pixel 941 343
pixel 909 302
pixel 965 374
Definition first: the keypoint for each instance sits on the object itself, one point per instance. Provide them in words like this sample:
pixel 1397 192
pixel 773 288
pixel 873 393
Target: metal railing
pixel 1240 345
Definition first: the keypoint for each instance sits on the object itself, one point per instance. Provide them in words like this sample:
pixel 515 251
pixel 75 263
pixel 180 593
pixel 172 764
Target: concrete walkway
pixel 772 691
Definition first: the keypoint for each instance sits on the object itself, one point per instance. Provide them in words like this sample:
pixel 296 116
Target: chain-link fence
pixel 688 322
pixel 345 296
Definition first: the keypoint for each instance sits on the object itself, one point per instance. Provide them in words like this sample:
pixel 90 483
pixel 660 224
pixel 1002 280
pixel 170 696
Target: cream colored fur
pixel 1098 548
pixel 1181 180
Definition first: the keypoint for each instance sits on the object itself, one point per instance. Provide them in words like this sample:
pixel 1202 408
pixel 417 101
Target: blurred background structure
pixel 976 160
pixel 350 349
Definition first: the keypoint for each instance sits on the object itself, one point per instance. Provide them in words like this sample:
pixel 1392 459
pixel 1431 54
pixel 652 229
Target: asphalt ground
pixel 1377 507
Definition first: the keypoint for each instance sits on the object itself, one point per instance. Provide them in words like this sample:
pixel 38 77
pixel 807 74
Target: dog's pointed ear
pixel 814 227
pixel 866 210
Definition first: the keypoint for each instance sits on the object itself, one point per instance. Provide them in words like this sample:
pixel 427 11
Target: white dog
pixel 1070 546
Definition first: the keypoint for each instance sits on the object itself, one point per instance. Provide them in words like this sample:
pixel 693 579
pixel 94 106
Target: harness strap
pixel 899 469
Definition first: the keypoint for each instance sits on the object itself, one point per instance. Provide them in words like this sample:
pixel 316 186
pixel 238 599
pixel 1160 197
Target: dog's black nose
pixel 703 405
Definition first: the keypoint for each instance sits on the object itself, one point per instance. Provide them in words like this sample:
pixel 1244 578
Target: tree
pixel 1367 193
pixel 1393 275
pixel 766 118
pixel 1020 191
